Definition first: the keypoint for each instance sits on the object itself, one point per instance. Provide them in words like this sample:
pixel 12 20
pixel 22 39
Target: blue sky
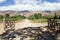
pixel 7 3
pixel 34 5
pixel 52 0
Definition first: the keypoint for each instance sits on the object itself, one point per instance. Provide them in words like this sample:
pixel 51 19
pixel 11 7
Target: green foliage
pixel 45 17
pixel 39 21
pixel 6 15
pixel 16 17
pixel 35 16
pixel 39 16
pixel 31 17
pixel 58 17
pixel 1 18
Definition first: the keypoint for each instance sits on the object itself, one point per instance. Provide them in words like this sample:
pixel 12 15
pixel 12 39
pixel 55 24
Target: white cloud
pixel 21 7
pixel 51 6
pixel 34 2
pixel 2 0
pixel 58 0
pixel 31 5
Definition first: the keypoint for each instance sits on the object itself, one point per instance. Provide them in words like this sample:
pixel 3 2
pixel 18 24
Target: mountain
pixel 25 11
pixel 28 13
pixel 49 11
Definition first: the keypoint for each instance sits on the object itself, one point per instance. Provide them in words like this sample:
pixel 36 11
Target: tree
pixel 37 16
pixel 6 15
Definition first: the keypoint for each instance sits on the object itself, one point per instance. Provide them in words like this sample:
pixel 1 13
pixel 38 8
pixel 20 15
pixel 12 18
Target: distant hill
pixel 47 11
pixel 27 13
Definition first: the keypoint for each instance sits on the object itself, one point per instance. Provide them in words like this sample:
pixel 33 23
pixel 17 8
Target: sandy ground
pixel 22 24
pixel 1 28
pixel 27 23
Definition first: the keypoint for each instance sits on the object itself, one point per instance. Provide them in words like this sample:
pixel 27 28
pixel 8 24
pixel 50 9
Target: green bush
pixel 1 18
pixel 35 16
pixel 16 17
pixel 7 15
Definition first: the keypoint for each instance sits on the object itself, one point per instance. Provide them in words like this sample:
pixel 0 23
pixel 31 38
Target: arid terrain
pixel 27 23
pixel 22 24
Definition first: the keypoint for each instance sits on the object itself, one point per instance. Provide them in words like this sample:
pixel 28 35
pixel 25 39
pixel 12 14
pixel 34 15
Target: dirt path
pixel 27 23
